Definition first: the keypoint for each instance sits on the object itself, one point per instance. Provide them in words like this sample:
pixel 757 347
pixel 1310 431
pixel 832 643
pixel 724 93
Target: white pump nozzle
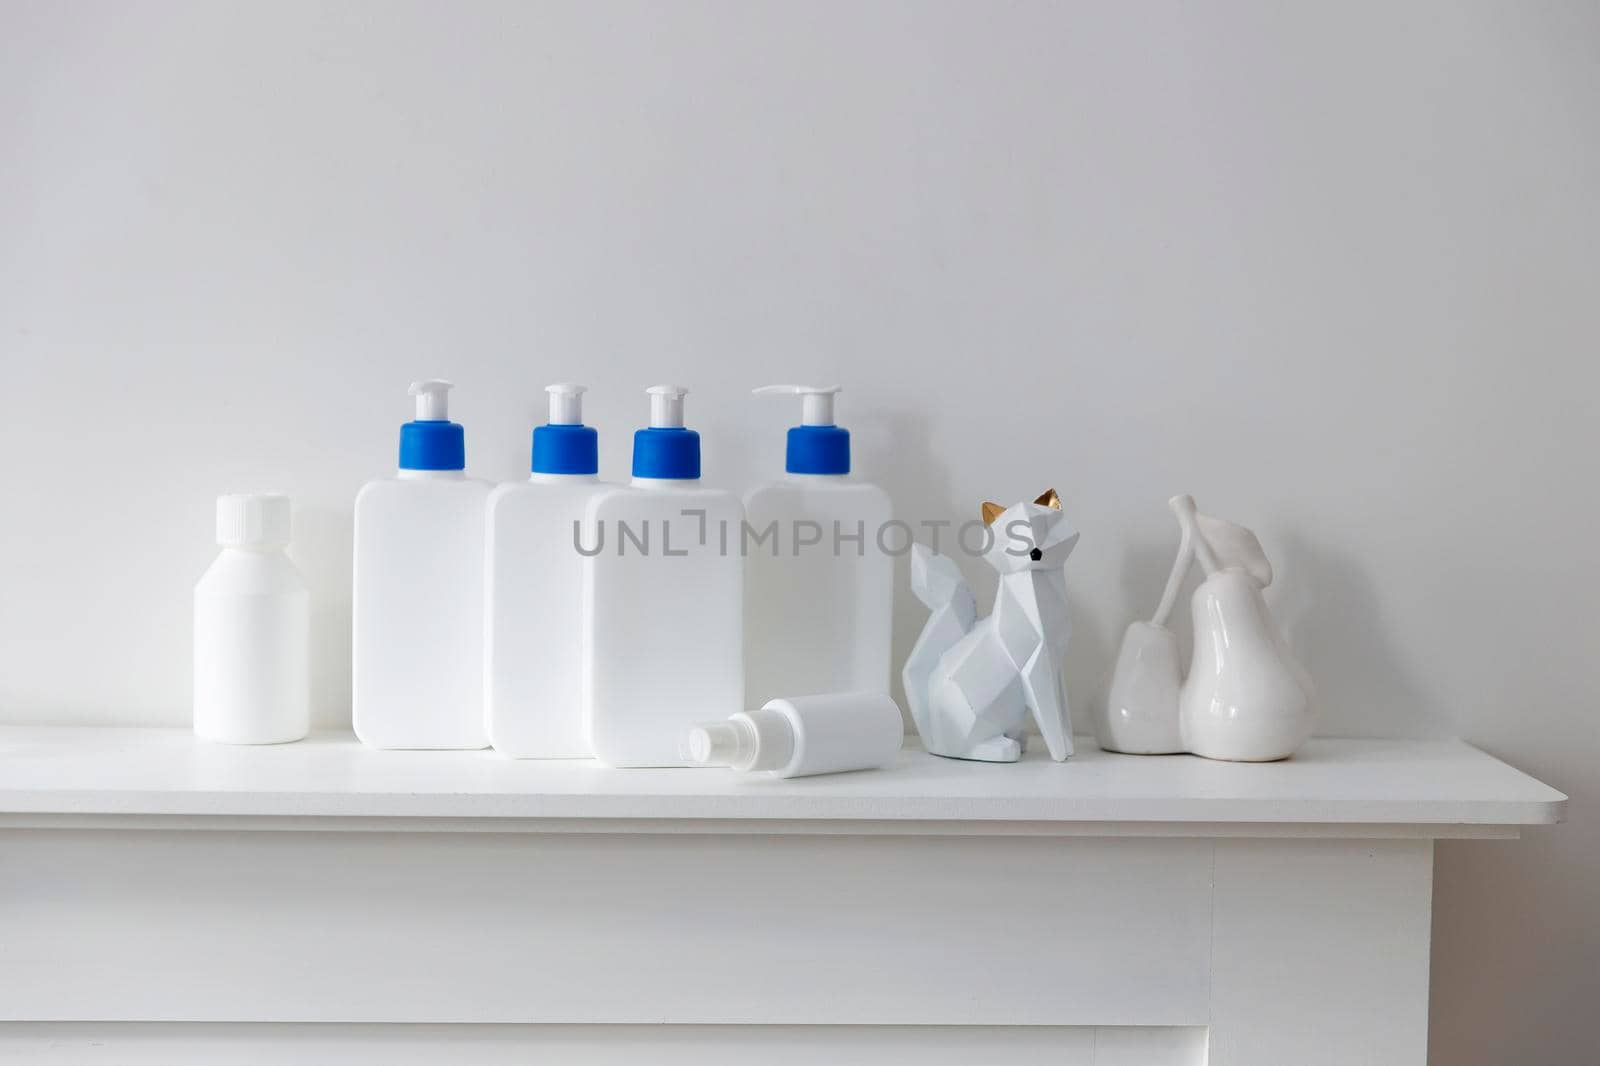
pixel 566 404
pixel 666 406
pixel 816 401
pixel 433 400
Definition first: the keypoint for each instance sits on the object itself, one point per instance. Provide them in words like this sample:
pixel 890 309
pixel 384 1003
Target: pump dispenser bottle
pixel 417 640
pixel 820 586
pixel 533 624
pixel 663 592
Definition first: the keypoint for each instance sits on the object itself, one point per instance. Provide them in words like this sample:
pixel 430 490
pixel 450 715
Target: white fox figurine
pixel 972 684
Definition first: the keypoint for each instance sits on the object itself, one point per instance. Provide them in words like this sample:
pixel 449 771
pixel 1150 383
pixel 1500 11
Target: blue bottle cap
pixel 666 449
pixel 432 441
pixel 565 445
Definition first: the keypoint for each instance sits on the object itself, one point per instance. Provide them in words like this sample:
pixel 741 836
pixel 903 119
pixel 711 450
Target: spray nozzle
pixel 750 740
pixel 666 406
pixel 730 743
pixel 433 400
pixel 816 401
pixel 566 404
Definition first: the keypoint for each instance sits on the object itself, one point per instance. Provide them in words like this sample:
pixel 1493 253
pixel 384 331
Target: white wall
pixel 1331 268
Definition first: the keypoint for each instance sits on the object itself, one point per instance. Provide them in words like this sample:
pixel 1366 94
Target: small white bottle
pixel 820 593
pixel 252 624
pixel 663 598
pixel 533 631
pixel 417 602
pixel 805 735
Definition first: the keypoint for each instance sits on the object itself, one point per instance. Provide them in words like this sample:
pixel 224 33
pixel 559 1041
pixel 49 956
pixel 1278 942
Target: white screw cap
pixel 816 401
pixel 666 406
pixel 566 404
pixel 433 400
pixel 253 520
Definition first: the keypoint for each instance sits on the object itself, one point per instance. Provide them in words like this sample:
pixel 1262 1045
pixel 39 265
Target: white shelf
pixel 129 773
pixel 320 882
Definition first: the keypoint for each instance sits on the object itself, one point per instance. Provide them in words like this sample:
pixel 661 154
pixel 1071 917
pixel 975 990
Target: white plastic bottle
pixel 252 621
pixel 663 598
pixel 806 735
pixel 533 631
pixel 818 604
pixel 417 644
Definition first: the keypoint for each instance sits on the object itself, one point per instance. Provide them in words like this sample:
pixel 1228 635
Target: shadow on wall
pixel 1332 615
pixel 895 446
pixel 323 539
pixel 1327 605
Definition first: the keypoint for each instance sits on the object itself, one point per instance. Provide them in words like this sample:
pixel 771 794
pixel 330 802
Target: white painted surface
pixel 651 904
pixel 1368 231
pixel 603 929
pixel 1320 952
pixel 92 1044
pixel 123 771
pixel 1298 951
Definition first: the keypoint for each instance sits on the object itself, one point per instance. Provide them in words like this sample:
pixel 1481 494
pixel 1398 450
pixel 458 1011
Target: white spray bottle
pixel 533 622
pixel 820 590
pixel 663 598
pixel 831 733
pixel 417 602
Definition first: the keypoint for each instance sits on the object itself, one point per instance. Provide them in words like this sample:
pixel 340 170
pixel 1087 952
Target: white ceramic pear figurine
pixel 1140 714
pixel 1245 698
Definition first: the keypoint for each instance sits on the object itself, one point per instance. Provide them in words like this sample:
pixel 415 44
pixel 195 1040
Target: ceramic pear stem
pixel 1184 508
pixel 1180 567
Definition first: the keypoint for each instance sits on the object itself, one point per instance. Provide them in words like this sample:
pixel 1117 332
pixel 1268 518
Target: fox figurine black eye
pixel 972 684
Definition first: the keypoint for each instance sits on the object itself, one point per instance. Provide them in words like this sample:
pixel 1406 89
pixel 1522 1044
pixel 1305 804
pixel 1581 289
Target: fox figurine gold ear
pixel 1048 498
pixel 991 511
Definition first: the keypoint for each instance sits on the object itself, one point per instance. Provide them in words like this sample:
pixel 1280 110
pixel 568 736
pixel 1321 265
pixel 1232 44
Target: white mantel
pixel 1135 903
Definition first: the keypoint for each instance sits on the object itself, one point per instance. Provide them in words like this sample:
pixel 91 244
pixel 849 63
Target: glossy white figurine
pixel 971 684
pixel 1245 698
